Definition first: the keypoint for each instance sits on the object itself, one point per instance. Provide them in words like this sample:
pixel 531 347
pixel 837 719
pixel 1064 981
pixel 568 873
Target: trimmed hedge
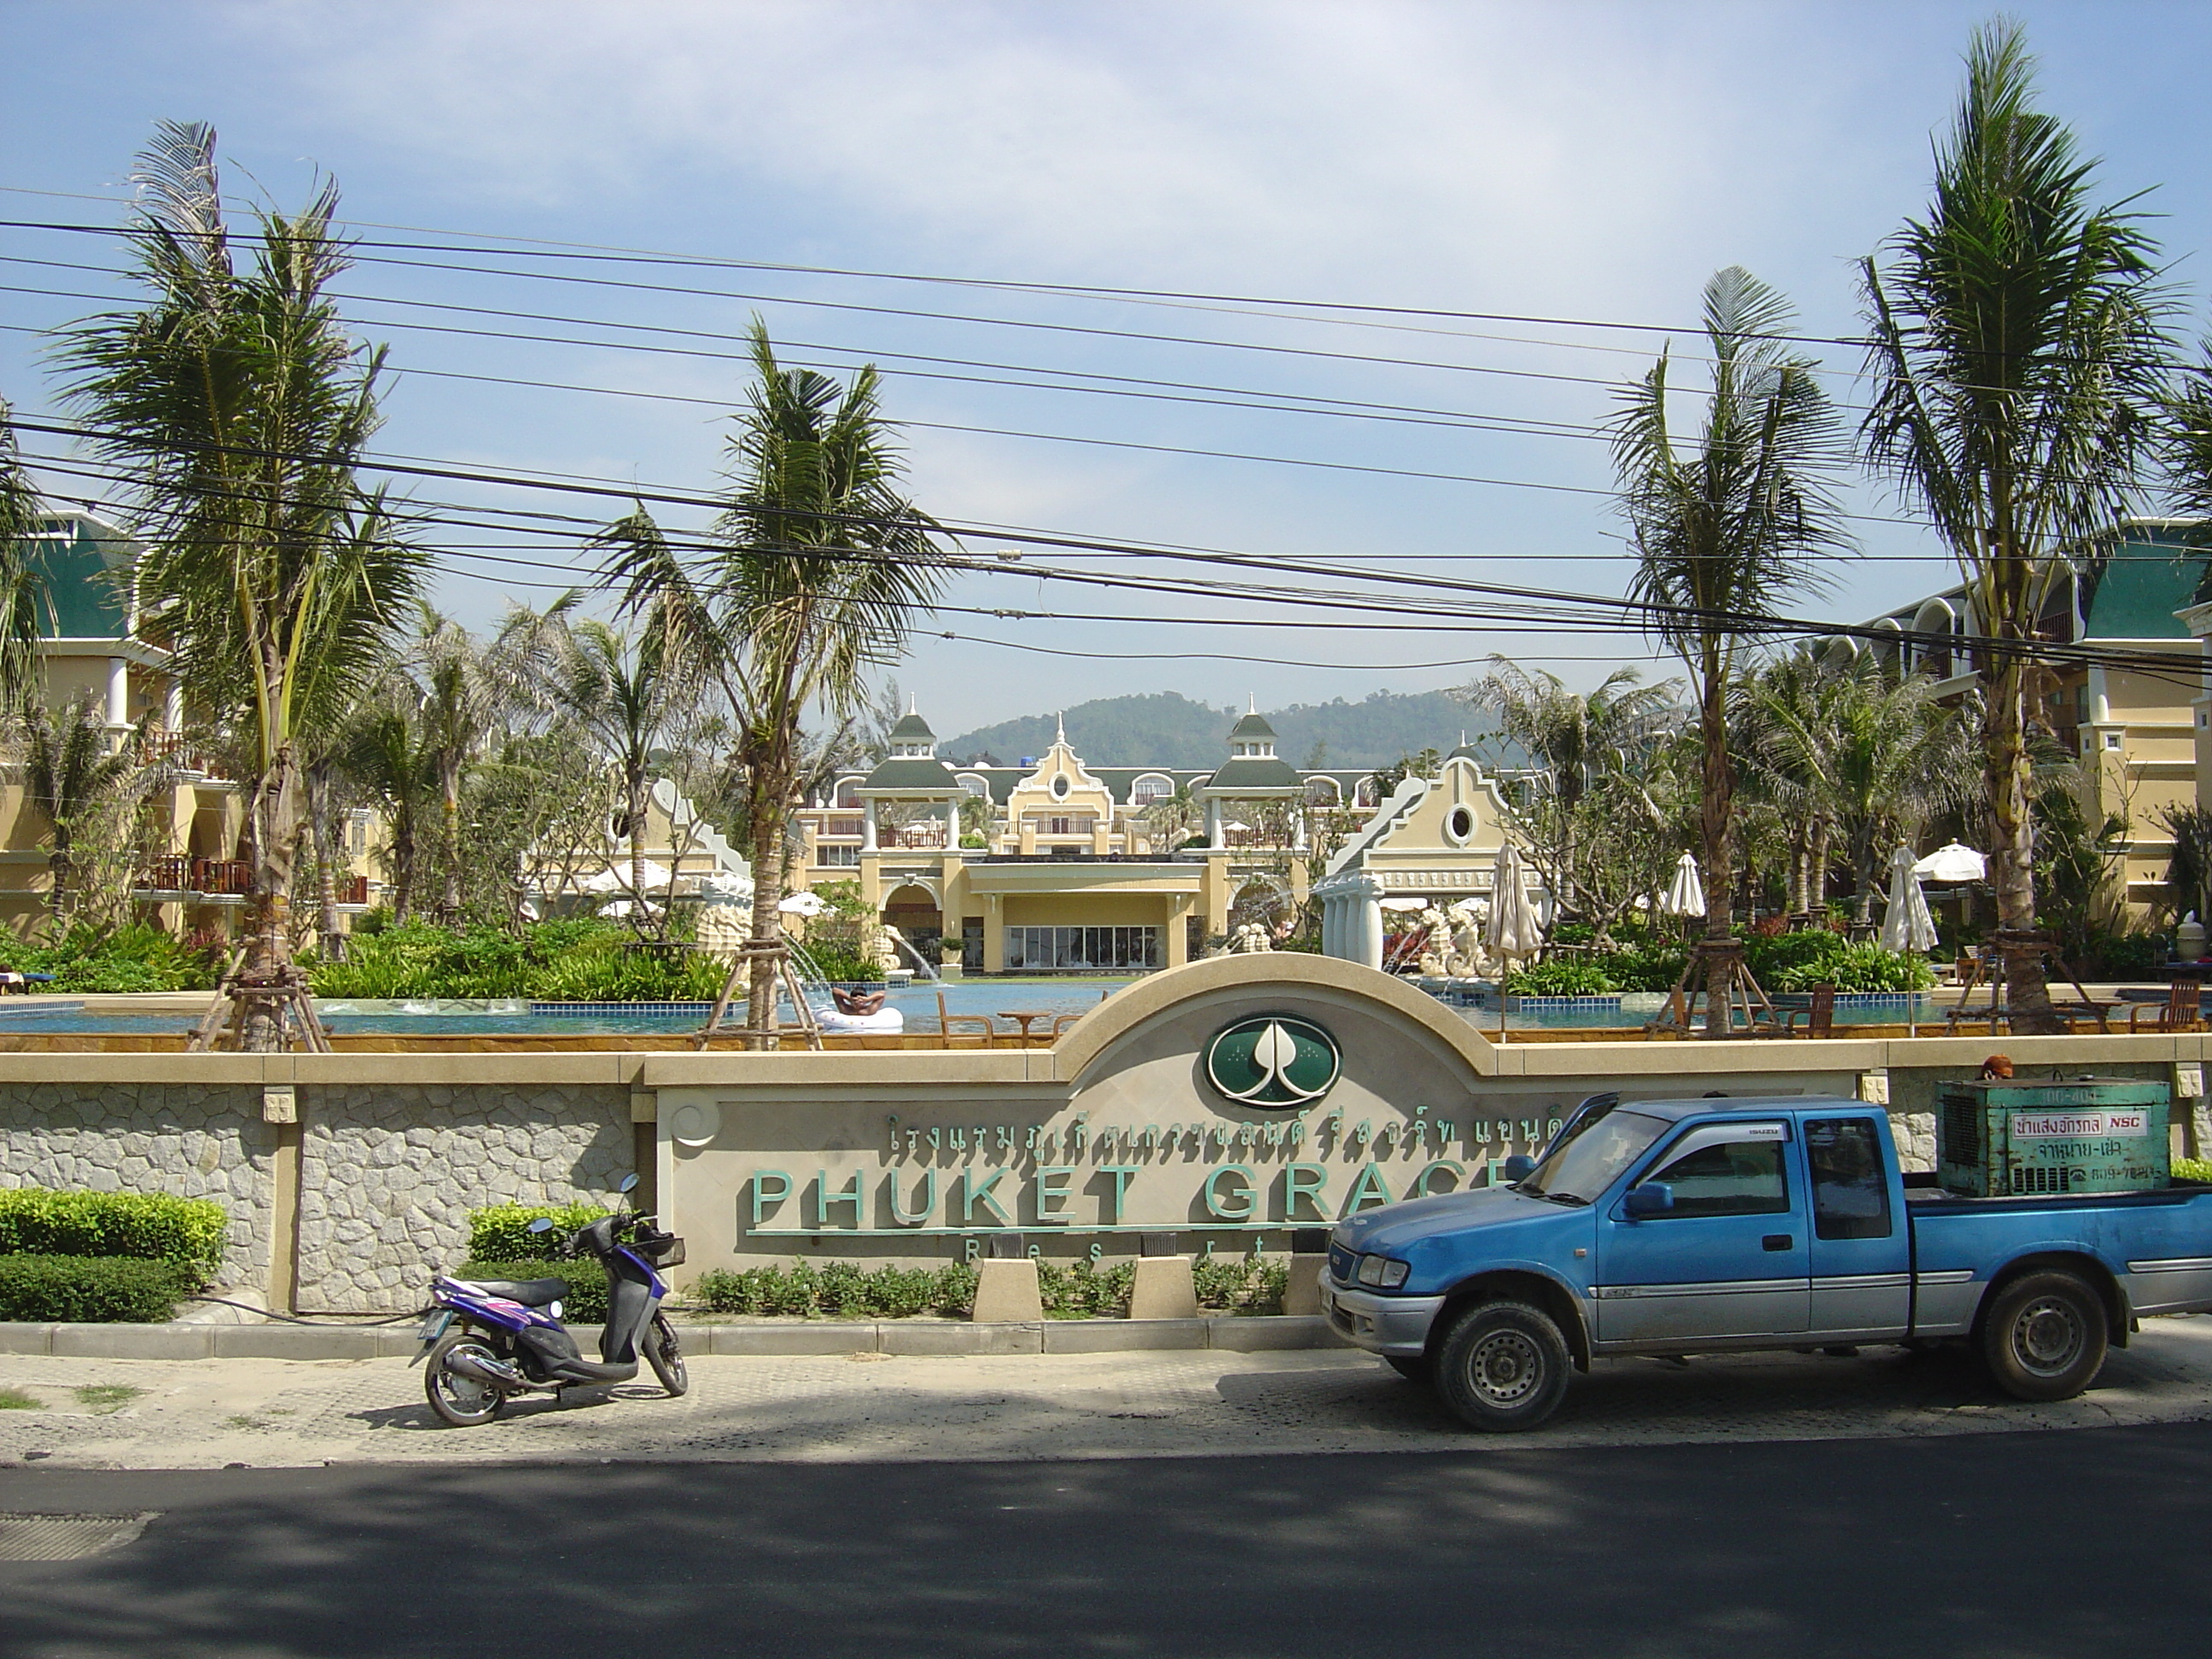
pixel 838 1289
pixel 2193 1168
pixel 188 1233
pixel 93 1290
pixel 586 1300
pixel 501 1233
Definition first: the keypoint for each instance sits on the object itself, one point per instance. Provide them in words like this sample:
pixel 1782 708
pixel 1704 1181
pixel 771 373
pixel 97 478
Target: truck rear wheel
pixel 1503 1368
pixel 2044 1336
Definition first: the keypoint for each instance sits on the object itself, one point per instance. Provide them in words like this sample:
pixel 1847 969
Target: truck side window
pixel 1729 1177
pixel 1851 1191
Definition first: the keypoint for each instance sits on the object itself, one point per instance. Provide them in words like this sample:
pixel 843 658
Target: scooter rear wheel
pixel 662 1353
pixel 463 1402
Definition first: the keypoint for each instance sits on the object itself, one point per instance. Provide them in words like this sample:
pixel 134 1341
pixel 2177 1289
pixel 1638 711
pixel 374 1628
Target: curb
pixel 1230 1334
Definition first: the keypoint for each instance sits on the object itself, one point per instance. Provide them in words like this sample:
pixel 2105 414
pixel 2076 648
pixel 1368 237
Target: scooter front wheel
pixel 665 1356
pixel 462 1400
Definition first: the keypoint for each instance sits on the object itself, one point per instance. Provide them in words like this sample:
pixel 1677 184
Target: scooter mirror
pixel 540 1225
pixel 628 1182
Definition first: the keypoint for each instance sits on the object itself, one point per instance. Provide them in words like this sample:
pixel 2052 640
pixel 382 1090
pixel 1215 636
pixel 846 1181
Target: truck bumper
pixel 1393 1325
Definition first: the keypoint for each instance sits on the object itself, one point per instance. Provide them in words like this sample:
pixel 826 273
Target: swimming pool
pixel 513 1017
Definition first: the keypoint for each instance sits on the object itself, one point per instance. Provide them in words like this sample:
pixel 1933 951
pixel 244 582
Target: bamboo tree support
pixel 239 996
pixel 1989 968
pixel 787 975
pixel 1744 992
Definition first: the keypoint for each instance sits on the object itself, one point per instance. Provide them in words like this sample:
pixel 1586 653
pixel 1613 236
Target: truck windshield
pixel 1596 1149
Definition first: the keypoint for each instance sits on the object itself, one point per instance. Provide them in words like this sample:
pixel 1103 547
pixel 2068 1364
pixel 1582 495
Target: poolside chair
pixel 2182 1010
pixel 1820 1015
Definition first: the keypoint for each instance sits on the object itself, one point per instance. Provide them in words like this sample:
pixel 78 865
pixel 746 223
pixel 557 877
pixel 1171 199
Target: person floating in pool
pixel 857 1002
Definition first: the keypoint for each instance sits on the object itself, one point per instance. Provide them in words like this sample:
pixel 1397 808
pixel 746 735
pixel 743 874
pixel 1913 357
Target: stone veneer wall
pixel 388 1175
pixel 194 1141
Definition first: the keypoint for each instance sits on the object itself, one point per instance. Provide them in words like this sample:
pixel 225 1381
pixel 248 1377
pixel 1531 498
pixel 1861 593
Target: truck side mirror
pixel 1652 1197
pixel 1519 1167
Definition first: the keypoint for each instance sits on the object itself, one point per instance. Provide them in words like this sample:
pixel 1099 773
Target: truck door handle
pixel 1776 1242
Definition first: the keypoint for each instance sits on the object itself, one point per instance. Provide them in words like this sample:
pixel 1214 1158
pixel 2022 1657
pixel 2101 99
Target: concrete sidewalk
pixel 869 1406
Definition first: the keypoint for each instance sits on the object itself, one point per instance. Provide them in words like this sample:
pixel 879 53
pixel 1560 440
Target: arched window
pixel 1152 787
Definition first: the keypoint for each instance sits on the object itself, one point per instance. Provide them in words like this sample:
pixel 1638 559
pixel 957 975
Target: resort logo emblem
pixel 1272 1060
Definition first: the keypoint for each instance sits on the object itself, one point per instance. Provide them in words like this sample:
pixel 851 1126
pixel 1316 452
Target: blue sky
pixel 1586 161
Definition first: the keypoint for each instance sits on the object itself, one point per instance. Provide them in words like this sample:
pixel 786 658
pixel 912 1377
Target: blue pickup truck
pixel 1676 1227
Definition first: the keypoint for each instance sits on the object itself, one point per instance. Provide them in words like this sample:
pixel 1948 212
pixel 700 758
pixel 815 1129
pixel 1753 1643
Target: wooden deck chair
pixel 1819 1019
pixel 2182 1010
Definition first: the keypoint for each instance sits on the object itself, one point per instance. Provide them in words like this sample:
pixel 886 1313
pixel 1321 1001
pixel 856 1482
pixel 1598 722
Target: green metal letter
pixel 974 1193
pixel 1121 1175
pixel 1421 1187
pixel 1218 1204
pixel 1367 1188
pixel 928 1201
pixel 825 1196
pixel 1304 1181
pixel 1055 1185
pixel 763 1196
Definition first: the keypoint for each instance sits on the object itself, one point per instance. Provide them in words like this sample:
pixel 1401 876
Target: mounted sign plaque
pixel 1272 1060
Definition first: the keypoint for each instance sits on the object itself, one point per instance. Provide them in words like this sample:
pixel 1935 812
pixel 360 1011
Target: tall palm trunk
pixel 275 820
pixel 2012 861
pixel 1715 823
pixel 326 842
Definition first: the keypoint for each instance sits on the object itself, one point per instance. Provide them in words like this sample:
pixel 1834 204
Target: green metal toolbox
pixel 2065 1135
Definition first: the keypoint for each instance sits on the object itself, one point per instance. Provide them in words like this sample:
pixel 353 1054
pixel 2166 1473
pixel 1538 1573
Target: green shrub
pixel 572 960
pixel 1643 968
pixel 838 1289
pixel 843 963
pixel 586 1300
pixel 2193 1168
pixel 501 1233
pixel 1558 979
pixel 187 1232
pixel 124 959
pixel 1080 1291
pixel 92 1289
pixel 1250 1285
pixel 1800 961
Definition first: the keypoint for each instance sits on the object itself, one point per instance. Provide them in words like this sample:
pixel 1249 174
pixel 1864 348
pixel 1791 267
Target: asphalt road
pixel 2023 1545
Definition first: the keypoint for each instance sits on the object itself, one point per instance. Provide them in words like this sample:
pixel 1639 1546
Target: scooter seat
pixel 530 1292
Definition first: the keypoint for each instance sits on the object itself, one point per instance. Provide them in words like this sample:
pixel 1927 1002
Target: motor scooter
pixel 484 1341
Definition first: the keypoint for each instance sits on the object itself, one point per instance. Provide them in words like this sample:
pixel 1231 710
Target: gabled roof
pixel 912 728
pixel 931 776
pixel 1249 773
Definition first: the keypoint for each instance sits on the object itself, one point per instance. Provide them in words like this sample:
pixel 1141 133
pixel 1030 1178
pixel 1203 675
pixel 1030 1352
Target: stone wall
pixel 191 1140
pixel 389 1173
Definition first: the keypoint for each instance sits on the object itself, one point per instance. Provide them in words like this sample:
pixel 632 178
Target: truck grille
pixel 1342 1263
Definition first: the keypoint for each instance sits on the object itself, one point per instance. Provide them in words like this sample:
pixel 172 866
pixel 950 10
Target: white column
pixel 172 707
pixel 1214 822
pixel 119 691
pixel 952 824
pixel 1365 901
pixel 868 826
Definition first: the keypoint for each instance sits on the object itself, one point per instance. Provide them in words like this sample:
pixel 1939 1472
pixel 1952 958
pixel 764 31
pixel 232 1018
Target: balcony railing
pixel 916 834
pixel 223 877
pixel 170 751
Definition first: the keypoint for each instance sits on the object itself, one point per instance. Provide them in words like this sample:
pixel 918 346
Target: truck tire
pixel 1503 1368
pixel 2045 1337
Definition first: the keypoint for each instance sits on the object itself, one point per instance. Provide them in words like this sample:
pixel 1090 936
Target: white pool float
pixel 882 1021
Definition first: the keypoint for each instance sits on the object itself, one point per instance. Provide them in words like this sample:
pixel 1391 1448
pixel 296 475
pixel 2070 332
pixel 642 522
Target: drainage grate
pixel 67 1537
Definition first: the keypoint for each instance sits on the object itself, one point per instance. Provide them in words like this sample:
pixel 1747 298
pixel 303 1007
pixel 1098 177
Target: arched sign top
pixel 1272 1060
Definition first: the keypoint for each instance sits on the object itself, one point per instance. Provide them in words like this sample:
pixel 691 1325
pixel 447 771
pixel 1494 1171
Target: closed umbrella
pixel 1512 930
pixel 1907 927
pixel 1686 893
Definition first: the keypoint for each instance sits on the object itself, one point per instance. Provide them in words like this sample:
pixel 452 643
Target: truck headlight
pixel 1382 1272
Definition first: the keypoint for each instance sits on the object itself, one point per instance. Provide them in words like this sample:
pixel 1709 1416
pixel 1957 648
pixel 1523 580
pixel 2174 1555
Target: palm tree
pixel 808 581
pixel 636 698
pixel 1878 757
pixel 22 595
pixel 1577 739
pixel 240 408
pixel 74 777
pixel 382 753
pixel 1722 526
pixel 2019 356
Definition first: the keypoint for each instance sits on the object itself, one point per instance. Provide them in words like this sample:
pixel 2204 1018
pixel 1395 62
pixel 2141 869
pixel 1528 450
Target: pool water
pixel 515 1017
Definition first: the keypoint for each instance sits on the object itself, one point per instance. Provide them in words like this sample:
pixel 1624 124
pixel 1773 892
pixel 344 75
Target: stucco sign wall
pixel 1224 1115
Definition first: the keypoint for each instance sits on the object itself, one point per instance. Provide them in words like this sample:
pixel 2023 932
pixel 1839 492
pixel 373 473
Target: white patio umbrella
pixel 1406 904
pixel 1512 929
pixel 1951 864
pixel 1686 893
pixel 1907 926
pixel 802 904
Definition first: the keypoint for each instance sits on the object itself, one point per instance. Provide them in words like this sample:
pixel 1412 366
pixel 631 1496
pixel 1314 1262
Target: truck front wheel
pixel 2045 1337
pixel 1503 1368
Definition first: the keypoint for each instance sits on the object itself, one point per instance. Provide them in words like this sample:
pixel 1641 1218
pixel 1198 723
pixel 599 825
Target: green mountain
pixel 1165 728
